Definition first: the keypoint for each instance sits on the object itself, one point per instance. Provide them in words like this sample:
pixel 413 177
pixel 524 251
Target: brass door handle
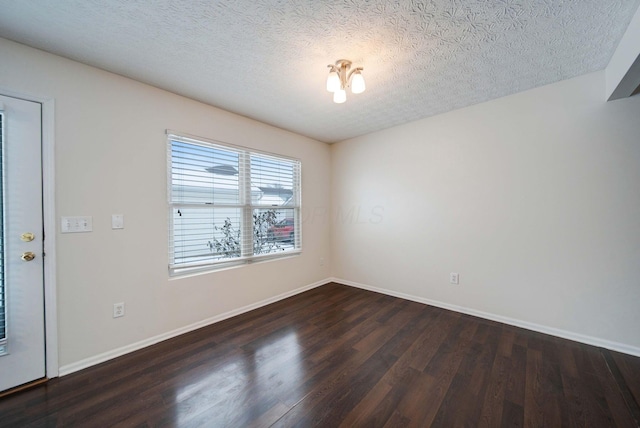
pixel 27 237
pixel 27 256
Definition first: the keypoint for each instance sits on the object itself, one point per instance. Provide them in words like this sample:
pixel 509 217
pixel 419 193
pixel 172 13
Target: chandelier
pixel 340 78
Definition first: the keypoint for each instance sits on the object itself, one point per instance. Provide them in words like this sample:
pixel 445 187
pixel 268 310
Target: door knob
pixel 27 237
pixel 27 256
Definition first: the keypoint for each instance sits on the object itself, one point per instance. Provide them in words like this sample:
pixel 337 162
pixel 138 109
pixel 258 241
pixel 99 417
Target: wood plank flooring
pixel 338 356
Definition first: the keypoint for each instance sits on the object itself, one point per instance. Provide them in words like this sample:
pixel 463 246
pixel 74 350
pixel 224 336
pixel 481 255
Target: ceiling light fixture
pixel 340 78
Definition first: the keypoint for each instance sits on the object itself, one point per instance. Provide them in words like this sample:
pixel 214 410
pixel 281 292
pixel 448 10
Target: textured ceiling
pixel 266 59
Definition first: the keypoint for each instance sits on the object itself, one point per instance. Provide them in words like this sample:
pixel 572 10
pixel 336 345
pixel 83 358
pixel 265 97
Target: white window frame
pixel 244 204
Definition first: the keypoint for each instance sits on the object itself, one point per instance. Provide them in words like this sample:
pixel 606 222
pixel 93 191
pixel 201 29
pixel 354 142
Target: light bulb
pixel 333 82
pixel 339 96
pixel 357 83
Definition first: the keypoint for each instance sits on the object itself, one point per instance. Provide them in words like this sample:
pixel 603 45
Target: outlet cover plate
pixel 118 310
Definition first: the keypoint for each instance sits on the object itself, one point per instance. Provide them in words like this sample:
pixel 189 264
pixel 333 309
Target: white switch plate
pixel 454 278
pixel 117 221
pixel 76 224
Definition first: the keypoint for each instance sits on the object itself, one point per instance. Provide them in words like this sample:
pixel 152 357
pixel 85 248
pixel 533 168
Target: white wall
pixel 111 158
pixel 533 198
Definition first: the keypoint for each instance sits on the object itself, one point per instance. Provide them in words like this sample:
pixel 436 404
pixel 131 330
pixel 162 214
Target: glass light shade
pixel 339 96
pixel 357 83
pixel 333 82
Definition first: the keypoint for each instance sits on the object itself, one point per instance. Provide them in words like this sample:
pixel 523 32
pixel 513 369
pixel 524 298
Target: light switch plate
pixel 117 221
pixel 76 224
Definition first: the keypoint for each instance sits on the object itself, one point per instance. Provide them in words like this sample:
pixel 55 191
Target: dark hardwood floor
pixel 340 356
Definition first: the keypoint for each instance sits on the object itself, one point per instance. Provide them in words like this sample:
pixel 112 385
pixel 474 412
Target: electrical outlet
pixel 454 278
pixel 118 310
pixel 321 261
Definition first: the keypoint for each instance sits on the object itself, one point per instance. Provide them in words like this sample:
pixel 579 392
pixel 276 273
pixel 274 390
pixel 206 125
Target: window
pixel 229 205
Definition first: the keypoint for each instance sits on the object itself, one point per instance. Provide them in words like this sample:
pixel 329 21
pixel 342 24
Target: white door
pixel 22 340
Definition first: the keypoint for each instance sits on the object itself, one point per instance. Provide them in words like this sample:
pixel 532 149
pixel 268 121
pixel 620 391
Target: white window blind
pixel 229 205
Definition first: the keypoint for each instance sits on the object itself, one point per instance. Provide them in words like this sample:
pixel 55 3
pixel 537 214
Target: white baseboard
pixel 577 337
pixel 109 355
pixel 106 356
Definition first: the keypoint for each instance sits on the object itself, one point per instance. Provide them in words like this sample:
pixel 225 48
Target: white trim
pixel 577 337
pixel 178 272
pixel 49 219
pixel 109 355
pixel 622 74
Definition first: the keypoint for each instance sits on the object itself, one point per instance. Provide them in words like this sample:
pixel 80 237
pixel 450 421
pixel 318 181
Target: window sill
pixel 185 272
